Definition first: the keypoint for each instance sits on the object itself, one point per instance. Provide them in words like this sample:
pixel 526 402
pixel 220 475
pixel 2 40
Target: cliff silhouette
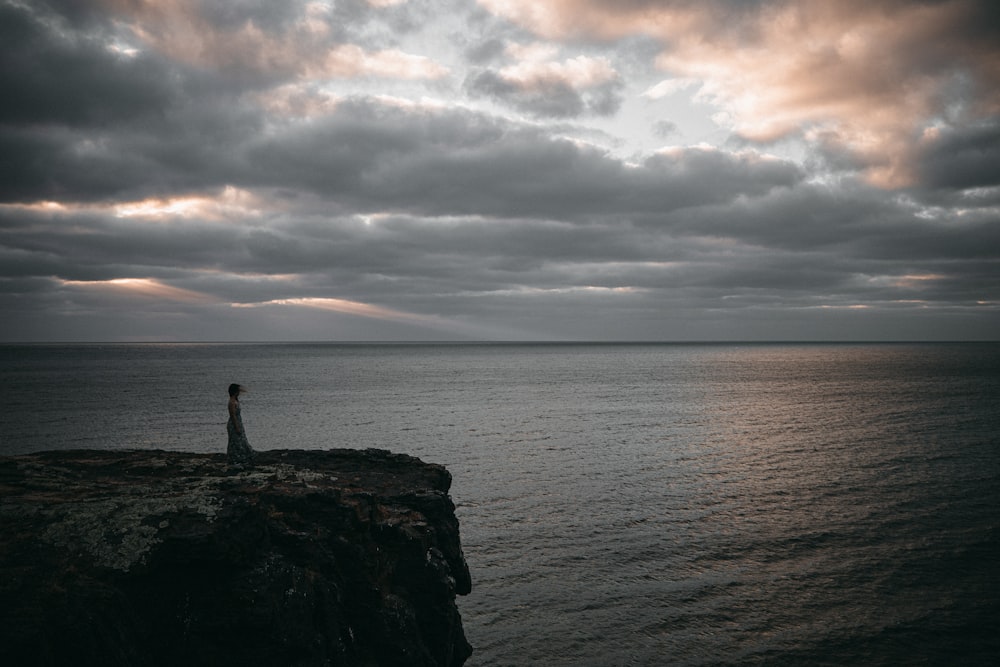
pixel 338 557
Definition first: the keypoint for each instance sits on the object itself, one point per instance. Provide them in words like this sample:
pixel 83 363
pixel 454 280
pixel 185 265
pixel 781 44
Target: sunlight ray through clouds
pixel 450 326
pixel 341 306
pixel 142 287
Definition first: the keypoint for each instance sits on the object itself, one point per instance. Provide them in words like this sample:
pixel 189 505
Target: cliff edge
pixel 336 557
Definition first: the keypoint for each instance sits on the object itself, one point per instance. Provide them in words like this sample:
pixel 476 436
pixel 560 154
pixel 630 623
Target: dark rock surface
pixel 337 557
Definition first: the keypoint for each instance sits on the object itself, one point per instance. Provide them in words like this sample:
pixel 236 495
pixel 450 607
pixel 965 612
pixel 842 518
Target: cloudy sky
pixel 499 170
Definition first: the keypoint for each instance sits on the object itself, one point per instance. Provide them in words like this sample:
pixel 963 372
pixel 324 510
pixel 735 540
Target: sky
pixel 516 170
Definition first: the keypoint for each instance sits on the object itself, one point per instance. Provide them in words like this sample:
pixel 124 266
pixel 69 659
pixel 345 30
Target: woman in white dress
pixel 239 450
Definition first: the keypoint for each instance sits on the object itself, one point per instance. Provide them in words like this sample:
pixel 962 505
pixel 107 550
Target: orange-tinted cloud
pixel 536 67
pixel 348 60
pixel 229 203
pixel 305 47
pixel 865 77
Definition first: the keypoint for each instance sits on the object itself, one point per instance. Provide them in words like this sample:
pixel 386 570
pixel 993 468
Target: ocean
pixel 640 504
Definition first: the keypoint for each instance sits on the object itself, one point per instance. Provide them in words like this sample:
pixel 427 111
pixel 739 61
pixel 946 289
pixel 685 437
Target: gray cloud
pixel 962 158
pixel 462 163
pixel 485 51
pixel 52 76
pixel 555 99
pixel 143 194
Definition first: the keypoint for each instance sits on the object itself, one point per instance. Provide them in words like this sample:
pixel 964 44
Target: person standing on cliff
pixel 239 450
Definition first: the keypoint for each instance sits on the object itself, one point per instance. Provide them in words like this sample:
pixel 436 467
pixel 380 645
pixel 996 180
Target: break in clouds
pixel 392 169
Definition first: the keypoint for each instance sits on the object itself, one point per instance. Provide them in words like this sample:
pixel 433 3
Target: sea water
pixel 623 504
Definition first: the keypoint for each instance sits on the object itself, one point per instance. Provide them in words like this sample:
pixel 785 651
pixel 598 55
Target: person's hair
pixel 234 390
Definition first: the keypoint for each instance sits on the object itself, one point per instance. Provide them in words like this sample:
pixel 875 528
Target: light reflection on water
pixel 625 505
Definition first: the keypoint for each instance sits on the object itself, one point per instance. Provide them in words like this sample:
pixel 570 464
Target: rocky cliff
pixel 334 557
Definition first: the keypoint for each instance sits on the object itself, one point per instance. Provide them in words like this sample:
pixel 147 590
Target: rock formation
pixel 336 557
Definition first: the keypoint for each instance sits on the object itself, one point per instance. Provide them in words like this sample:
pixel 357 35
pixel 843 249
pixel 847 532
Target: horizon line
pixel 790 341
